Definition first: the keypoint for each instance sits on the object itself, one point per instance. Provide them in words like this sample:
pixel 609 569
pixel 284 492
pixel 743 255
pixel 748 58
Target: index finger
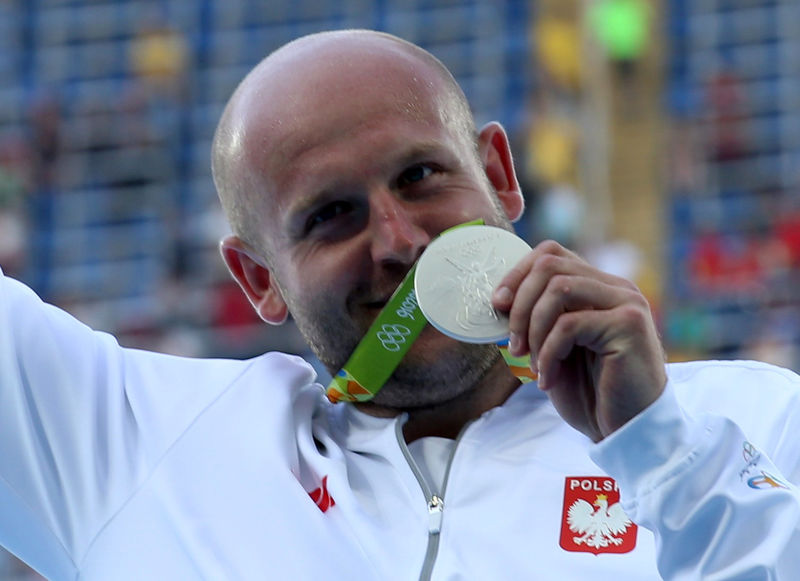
pixel 506 289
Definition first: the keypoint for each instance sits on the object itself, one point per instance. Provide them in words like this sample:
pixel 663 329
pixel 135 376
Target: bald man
pixel 338 160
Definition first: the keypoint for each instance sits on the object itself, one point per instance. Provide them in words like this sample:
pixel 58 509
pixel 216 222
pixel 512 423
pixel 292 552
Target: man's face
pixel 360 170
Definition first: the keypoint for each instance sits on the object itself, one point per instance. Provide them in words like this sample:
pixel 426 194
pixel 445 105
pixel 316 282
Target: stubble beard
pixel 424 377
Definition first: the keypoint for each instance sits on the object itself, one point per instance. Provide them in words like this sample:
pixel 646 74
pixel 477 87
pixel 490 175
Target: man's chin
pixel 434 369
pixel 437 369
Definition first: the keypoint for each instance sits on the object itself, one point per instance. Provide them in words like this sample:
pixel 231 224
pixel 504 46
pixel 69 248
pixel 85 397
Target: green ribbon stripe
pixel 382 348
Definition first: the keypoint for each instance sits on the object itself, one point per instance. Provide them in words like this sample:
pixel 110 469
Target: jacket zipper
pixel 435 502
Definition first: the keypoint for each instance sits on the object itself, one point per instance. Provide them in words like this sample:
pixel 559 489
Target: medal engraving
pixel 473 277
pixel 456 276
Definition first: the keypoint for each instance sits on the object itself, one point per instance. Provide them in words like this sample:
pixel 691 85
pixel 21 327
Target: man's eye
pixel 414 174
pixel 327 213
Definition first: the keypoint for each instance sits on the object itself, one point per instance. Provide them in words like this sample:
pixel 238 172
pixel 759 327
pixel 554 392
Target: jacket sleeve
pixel 65 423
pixel 718 490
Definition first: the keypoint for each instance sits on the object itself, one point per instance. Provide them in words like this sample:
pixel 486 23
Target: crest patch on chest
pixel 592 519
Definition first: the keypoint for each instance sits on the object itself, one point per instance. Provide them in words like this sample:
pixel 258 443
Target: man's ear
pixel 255 279
pixel 495 154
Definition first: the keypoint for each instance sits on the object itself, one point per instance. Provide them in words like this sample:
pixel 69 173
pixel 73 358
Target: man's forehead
pixel 334 49
pixel 316 75
pixel 296 102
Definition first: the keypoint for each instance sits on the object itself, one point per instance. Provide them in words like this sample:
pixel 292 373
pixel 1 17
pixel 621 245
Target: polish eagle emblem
pixel 597 525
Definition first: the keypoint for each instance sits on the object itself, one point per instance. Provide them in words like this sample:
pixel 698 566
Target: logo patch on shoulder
pixel 592 520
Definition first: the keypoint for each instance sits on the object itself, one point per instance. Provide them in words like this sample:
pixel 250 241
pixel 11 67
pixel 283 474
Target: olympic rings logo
pixel 393 336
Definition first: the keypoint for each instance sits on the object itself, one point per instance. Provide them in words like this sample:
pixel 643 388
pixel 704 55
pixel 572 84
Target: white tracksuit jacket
pixel 124 464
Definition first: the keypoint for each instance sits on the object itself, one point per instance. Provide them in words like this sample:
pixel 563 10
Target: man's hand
pixel 590 334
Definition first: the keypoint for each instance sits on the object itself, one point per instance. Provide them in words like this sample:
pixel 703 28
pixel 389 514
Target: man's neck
pixel 447 419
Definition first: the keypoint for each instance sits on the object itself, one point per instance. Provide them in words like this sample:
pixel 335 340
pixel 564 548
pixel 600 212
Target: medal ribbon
pixel 388 339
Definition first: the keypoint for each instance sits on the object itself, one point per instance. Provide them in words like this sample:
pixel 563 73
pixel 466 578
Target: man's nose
pixel 395 235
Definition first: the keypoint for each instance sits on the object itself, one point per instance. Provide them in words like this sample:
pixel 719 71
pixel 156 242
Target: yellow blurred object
pixel 552 150
pixel 159 55
pixel 558 46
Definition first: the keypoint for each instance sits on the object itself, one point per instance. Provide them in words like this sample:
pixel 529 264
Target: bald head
pixel 306 82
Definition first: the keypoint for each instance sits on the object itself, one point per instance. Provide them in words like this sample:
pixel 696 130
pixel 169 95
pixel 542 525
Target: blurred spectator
pixel 557 40
pixel 726 264
pixel 45 147
pixel 552 166
pixel 552 143
pixel 618 257
pixel 128 155
pixel 560 214
pixel 622 27
pixel 45 118
pixel 787 230
pixel 174 326
pixel 161 62
pixel 687 169
pixel 706 262
pixel 234 319
pixel 726 106
pixel 14 184
pixel 159 56
pixel 775 338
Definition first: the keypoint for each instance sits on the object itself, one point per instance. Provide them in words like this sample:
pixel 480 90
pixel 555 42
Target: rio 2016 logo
pixel 393 336
pixel 408 307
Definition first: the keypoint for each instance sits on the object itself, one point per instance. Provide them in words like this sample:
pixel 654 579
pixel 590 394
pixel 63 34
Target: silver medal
pixel 456 276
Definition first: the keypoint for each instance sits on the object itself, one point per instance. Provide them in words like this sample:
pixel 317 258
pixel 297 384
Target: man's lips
pixel 376 304
pixel 375 298
pixel 378 300
pixel 373 308
pixel 368 307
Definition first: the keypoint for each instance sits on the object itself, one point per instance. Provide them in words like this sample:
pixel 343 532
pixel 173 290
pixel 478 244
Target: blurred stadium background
pixel 660 138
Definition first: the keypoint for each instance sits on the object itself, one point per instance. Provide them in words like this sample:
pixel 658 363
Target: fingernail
pixel 535 365
pixel 513 344
pixel 503 294
pixel 540 382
